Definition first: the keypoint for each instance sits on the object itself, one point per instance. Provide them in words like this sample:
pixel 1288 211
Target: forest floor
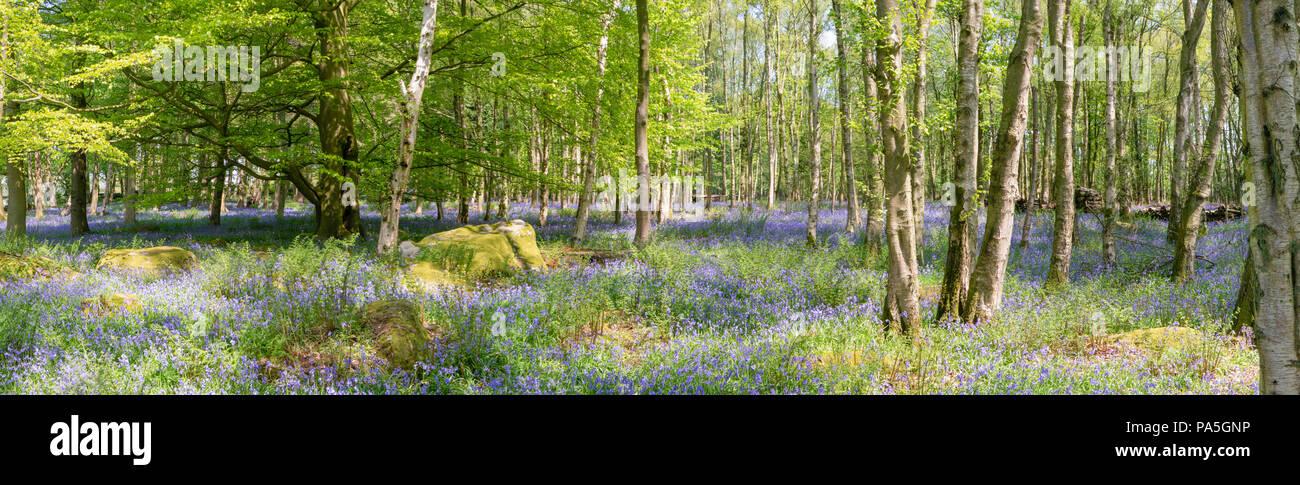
pixel 731 304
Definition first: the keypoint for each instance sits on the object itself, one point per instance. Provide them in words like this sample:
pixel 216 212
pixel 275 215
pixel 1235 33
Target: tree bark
pixel 1063 226
pixel 642 237
pixel 1028 221
pixel 1199 186
pixel 769 18
pixel 918 128
pixel 409 109
pixel 335 123
pixel 77 187
pixel 589 165
pixel 990 268
pixel 901 310
pixel 1195 21
pixel 1108 223
pixel 1269 50
pixel 871 130
pixel 814 125
pixel 961 218
pixel 852 219
pixel 218 202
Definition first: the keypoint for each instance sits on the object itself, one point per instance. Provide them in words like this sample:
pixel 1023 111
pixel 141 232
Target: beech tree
pixel 901 308
pixel 1063 73
pixel 962 216
pixel 987 278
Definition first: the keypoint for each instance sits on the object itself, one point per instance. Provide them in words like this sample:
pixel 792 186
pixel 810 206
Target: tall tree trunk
pixel 1195 21
pixel 1200 184
pixel 642 237
pixel 852 219
pixel 16 180
pixel 962 217
pixel 94 193
pixel 871 130
pixel 589 164
pixel 334 120
pixel 814 124
pixel 1028 221
pixel 769 18
pixel 543 190
pixel 1063 226
pixel 901 310
pixel 409 109
pixel 1269 46
pixel 918 128
pixel 218 204
pixel 1108 224
pixel 991 268
pixel 128 186
pixel 77 187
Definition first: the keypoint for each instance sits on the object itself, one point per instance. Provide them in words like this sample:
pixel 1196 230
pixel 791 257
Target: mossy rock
pixel 110 304
pixel 14 267
pixel 429 276
pixel 487 248
pixel 1161 338
pixel 398 327
pixel 149 260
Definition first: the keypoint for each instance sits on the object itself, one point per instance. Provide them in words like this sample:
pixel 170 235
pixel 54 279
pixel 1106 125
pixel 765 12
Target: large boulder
pixel 149 260
pixel 398 327
pixel 486 248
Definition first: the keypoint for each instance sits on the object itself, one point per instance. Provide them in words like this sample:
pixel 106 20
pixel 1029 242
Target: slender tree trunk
pixel 1108 224
pixel 409 109
pixel 769 18
pixel 918 128
pixel 218 190
pixel 1032 195
pixel 128 187
pixel 1200 184
pixel 94 193
pixel 990 269
pixel 871 129
pixel 814 124
pixel 642 237
pixel 543 191
pixel 1195 21
pixel 961 218
pixel 852 219
pixel 589 165
pixel 1063 227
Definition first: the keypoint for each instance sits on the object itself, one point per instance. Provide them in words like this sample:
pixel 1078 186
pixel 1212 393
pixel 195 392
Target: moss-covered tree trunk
pixel 334 122
pixel 1200 185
